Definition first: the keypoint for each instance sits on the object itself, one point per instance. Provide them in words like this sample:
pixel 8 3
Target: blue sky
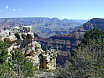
pixel 70 9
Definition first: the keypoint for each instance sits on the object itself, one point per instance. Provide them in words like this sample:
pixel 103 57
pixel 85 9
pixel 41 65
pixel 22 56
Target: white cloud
pixel 13 9
pixel 6 7
pixel 16 10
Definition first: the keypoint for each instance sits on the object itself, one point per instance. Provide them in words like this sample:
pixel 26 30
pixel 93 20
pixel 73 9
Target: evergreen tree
pixel 5 69
pixel 17 66
pixel 21 65
pixel 3 52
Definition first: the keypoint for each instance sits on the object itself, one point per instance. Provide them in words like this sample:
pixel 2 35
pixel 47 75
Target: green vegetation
pixel 21 65
pixel 87 60
pixel 6 71
pixel 4 66
pixel 16 66
pixel 3 52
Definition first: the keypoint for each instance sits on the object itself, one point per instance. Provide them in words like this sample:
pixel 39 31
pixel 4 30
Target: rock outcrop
pixel 24 40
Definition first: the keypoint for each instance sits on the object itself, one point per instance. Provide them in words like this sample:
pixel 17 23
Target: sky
pixel 62 9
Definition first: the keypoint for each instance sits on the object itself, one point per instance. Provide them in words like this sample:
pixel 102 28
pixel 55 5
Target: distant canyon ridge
pixel 44 27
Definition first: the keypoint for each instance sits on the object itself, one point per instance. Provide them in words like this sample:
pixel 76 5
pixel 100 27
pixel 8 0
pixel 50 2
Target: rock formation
pixel 24 40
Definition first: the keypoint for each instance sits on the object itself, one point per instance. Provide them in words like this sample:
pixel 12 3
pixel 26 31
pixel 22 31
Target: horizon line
pixel 48 17
pixel 52 18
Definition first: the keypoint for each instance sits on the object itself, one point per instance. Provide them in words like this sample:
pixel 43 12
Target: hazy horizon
pixel 47 17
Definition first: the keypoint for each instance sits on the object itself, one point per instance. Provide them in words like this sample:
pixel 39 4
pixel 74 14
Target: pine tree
pixel 5 69
pixel 3 52
pixel 21 65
